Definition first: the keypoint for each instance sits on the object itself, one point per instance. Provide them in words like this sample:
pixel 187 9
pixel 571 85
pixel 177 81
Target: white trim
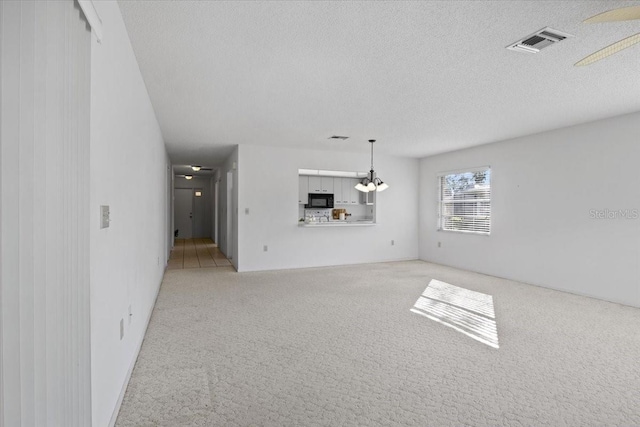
pixel 116 410
pixel 90 12
pixel 465 170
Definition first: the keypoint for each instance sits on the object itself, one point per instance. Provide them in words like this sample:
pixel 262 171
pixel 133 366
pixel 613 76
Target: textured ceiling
pixel 420 77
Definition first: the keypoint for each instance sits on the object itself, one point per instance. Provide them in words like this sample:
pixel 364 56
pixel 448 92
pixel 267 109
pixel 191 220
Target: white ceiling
pixel 420 77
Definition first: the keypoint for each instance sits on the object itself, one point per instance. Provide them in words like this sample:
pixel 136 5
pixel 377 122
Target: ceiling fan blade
pixel 609 50
pixel 622 14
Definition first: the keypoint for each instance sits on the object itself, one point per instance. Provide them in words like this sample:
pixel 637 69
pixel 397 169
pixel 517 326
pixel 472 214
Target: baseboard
pixel 116 410
pixel 553 288
pixel 346 264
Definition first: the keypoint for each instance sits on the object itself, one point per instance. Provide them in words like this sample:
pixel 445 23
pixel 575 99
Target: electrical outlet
pixel 439 244
pixel 265 248
pixel 393 242
pixel 121 329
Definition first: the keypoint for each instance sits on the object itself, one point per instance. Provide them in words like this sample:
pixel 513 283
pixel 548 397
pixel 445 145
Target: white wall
pixel 128 258
pixel 269 189
pixel 543 189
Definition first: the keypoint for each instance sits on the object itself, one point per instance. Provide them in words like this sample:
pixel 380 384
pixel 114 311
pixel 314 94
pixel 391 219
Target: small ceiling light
pixel 196 168
pixel 188 176
pixel 371 182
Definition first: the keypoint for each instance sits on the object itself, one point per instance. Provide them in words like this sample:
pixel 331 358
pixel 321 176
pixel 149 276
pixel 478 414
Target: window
pixel 465 201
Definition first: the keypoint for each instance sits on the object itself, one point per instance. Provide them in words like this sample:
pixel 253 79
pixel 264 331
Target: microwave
pixel 320 201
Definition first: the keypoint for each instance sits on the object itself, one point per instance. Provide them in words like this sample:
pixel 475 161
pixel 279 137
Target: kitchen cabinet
pixel 303 189
pixel 320 184
pixel 355 194
pixel 350 195
pixel 343 189
pixel 346 191
pixel 326 184
pixel 337 191
pixel 315 184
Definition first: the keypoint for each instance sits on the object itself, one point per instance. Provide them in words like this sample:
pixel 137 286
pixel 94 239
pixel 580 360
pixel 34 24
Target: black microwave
pixel 320 201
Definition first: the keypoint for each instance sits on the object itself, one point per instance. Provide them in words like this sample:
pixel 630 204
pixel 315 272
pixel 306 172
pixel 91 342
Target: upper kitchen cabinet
pixel 349 192
pixel 321 184
pixel 337 191
pixel 315 184
pixel 326 184
pixel 303 189
pixel 355 194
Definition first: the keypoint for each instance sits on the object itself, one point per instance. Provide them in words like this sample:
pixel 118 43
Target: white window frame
pixel 442 203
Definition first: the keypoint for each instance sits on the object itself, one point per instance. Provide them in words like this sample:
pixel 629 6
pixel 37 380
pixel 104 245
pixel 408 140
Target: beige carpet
pixel 340 346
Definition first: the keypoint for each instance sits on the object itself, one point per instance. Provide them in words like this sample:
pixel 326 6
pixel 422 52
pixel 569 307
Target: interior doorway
pixel 183 213
pixel 216 197
pixel 230 209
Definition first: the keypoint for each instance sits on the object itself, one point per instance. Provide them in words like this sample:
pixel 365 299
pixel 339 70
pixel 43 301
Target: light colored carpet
pixel 340 346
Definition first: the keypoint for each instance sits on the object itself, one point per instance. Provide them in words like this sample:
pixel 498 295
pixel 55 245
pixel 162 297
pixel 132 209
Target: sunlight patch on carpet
pixel 464 310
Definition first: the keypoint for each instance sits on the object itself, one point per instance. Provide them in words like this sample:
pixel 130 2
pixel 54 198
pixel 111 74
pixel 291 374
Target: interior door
pixel 183 213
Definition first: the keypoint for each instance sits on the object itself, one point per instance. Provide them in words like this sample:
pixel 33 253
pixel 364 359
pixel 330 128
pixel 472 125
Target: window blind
pixel 465 201
pixel 45 348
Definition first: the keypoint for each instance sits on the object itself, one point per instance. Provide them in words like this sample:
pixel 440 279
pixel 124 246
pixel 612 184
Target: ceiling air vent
pixel 339 137
pixel 537 41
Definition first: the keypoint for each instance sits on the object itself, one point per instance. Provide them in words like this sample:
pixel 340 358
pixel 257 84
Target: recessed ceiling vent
pixel 537 41
pixel 339 137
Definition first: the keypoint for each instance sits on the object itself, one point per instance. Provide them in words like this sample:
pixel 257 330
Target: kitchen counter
pixel 357 223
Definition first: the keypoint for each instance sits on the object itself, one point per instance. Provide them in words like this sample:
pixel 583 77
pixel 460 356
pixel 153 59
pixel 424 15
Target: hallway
pixel 196 253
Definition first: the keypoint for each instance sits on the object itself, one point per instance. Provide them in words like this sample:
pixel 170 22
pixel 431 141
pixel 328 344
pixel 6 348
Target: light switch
pixel 104 216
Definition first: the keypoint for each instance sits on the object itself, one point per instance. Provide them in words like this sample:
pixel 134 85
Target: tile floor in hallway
pixel 196 253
